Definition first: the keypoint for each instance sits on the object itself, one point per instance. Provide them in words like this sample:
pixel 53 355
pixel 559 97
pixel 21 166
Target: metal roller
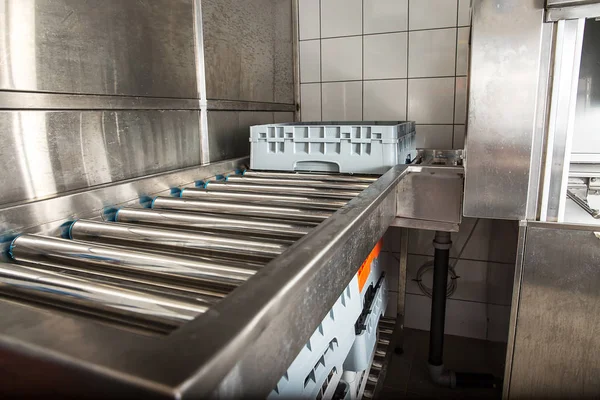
pixel 219 186
pixel 318 177
pixel 176 240
pixel 36 248
pixel 218 223
pixel 266 199
pixel 298 182
pixel 287 213
pixel 16 279
pixel 134 282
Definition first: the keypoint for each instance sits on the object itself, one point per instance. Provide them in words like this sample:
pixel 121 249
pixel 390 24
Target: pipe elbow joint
pixel 442 376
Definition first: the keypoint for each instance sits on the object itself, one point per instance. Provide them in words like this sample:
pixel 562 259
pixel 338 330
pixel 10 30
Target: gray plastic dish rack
pixel 364 147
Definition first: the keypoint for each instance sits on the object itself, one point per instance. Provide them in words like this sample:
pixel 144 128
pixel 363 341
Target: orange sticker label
pixel 365 268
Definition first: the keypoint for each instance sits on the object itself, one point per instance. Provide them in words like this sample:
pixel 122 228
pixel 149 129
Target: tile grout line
pixel 321 58
pixel 391 79
pixel 464 301
pixel 362 110
pixel 386 33
pixel 455 69
pixel 406 118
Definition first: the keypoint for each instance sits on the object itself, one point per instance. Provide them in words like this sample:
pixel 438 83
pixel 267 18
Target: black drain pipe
pixel 441 258
pixel 440 375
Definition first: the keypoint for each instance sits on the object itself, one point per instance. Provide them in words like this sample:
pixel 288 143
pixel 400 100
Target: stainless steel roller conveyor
pixel 220 186
pixel 213 223
pixel 184 299
pixel 195 248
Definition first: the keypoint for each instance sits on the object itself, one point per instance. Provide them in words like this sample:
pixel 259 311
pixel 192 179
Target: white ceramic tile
pixel 310 61
pixel 462 318
pixel 434 136
pixel 429 14
pixel 460 104
pixel 480 281
pixel 490 240
pixel 310 101
pixel 392 305
pixel 385 100
pixel 493 240
pixel 500 279
pixel 459 137
pixel 342 59
pixel 390 264
pixel 419 241
pixel 432 53
pixel 342 101
pixel 498 325
pixel 431 100
pixel 309 19
pixel 341 18
pixel 462 52
pixel 391 239
pixel 464 12
pixel 385 16
pixel 385 56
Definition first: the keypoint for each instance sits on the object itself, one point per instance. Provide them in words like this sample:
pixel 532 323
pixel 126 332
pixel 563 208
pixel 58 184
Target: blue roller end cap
pixel 200 184
pixel 176 192
pixel 8 238
pixel 240 171
pixel 146 201
pixel 65 229
pixel 220 177
pixel 110 214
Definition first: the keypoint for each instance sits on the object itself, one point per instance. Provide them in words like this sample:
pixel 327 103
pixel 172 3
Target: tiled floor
pixel 408 377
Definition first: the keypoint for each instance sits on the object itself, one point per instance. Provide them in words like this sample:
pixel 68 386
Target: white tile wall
pixel 341 18
pixel 434 136
pixel 385 56
pixel 432 14
pixel 309 19
pixel 464 12
pixel 459 136
pixel 341 59
pixel 385 100
pixel 342 101
pixel 460 102
pixel 396 47
pixel 310 104
pixel 382 16
pixel 462 51
pixel 310 61
pixel 431 101
pixel 432 53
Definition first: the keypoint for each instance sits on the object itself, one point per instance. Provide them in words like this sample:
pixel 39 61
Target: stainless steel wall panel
pixel 45 153
pixel 115 47
pixel 248 50
pixel 229 132
pixel 557 346
pixel 47 216
pixel 505 65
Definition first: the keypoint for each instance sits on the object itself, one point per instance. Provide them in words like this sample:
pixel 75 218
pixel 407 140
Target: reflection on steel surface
pixel 288 213
pixel 175 240
pixel 194 220
pixel 34 248
pixel 77 291
pixel 293 190
pixel 51 152
pixel 302 176
pixel 266 199
pixel 311 183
